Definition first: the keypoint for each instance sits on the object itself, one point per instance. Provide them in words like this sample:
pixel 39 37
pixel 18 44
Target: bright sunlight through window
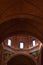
pixel 33 43
pixel 9 42
pixel 21 45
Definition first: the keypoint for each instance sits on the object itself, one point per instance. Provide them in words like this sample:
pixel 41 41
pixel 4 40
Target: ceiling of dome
pixel 26 9
pixel 33 9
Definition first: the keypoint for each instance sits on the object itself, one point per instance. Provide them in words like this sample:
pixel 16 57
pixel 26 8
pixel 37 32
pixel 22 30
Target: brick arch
pixel 22 59
pixel 19 26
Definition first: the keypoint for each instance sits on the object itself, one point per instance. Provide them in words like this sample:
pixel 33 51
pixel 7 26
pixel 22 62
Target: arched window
pixel 33 43
pixel 9 42
pixel 21 45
